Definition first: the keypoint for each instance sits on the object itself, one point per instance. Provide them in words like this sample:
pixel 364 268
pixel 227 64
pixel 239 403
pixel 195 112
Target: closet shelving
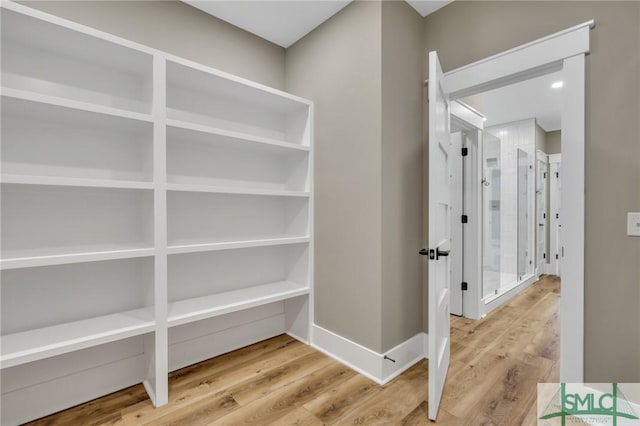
pixel 194 309
pixel 84 105
pixel 140 192
pixel 54 63
pixel 226 245
pixel 46 257
pixel 28 346
pixel 73 181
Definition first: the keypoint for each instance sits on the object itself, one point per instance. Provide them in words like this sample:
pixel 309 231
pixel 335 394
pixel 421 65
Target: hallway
pixel 495 366
pixel 496 362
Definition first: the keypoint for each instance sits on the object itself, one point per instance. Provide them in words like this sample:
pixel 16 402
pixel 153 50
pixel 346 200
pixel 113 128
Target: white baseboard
pixel 509 294
pixel 369 363
pixel 405 355
pixel 298 338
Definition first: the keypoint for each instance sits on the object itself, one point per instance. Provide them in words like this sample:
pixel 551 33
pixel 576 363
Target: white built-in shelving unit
pixel 155 212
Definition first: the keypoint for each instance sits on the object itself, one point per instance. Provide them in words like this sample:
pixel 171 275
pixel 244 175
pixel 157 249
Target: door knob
pixel 426 252
pixel 434 254
pixel 441 253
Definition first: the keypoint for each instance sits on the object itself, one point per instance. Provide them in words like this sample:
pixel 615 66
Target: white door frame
pixel 564 51
pixel 471 120
pixel 456 256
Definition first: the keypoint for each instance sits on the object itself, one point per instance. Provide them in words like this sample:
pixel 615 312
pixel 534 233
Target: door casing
pixel 566 51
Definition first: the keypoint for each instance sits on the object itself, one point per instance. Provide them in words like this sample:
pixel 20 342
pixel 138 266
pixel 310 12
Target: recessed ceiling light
pixel 484 118
pixel 557 85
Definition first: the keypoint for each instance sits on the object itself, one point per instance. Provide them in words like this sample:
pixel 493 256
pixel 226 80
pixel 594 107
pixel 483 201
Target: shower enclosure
pixel 508 204
pixel 493 211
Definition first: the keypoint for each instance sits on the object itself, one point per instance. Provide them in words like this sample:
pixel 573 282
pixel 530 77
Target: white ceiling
pixel 280 22
pixel 532 98
pixel 284 22
pixel 426 7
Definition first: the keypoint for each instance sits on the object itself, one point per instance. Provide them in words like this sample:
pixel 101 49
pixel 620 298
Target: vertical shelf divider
pixel 160 365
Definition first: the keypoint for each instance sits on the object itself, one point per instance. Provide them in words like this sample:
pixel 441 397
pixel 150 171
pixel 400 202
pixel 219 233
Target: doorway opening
pixel 519 119
pixel 561 52
pixel 505 188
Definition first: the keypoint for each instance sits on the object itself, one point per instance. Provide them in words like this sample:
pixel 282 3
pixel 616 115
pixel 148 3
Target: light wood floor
pixel 495 366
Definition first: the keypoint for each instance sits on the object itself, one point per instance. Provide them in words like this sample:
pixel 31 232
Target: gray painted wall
pixel 338 66
pixel 464 32
pixel 179 29
pixel 553 142
pixel 363 70
pixel 402 93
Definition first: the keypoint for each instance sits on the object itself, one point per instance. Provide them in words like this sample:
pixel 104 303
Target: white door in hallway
pixel 439 234
pixel 555 244
pixel 541 211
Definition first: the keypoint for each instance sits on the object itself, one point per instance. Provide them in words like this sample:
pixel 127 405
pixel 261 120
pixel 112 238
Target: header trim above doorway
pixel 520 63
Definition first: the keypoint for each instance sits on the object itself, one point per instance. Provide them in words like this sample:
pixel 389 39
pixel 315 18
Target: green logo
pixel 584 402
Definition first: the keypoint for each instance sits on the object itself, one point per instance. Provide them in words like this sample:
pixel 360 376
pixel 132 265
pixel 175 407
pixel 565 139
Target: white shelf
pixel 54 220
pixel 235 190
pixel 218 217
pixel 40 139
pixel 69 181
pixel 228 245
pixel 13 259
pixel 238 136
pixel 199 78
pixel 208 98
pixel 186 311
pixel 28 346
pixel 60 61
pixel 73 104
pixel 83 231
pixel 242 82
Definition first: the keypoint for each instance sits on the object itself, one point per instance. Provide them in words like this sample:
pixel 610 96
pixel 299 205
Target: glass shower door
pixel 492 223
pixel 524 254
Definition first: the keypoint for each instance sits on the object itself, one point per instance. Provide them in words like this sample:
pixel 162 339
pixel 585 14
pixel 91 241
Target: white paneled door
pixel 439 239
pixel 541 211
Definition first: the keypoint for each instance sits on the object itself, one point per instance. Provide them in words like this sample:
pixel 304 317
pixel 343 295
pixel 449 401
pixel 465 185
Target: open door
pixel 439 229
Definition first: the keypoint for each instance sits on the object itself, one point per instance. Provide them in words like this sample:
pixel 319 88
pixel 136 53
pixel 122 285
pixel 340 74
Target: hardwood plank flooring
pixel 496 363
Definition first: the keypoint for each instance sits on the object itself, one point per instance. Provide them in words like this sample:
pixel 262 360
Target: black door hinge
pixel 557 174
pixel 465 152
pixel 556 256
pixel 557 215
pixel 544 215
pixel 465 218
pixel 544 175
pixel 465 286
pixel 544 255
